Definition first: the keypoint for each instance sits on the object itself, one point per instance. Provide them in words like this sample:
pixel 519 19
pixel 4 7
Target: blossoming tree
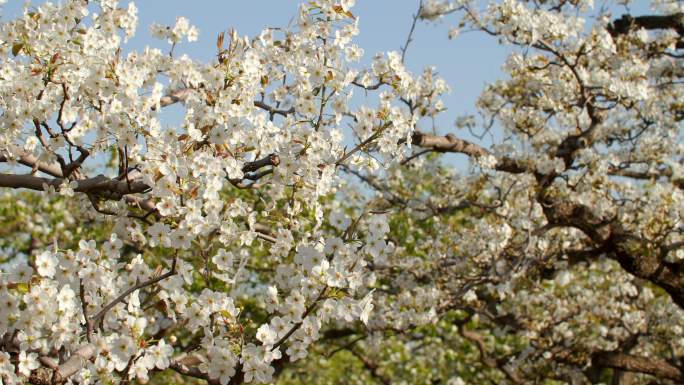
pixel 236 246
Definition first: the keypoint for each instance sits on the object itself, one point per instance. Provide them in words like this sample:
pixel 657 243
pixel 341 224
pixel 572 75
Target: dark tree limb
pixel 99 185
pixel 29 160
pixel 636 255
pixel 450 143
pixel 630 363
pixel 627 22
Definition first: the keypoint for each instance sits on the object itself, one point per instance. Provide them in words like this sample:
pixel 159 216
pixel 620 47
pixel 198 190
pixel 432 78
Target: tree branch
pixel 486 359
pixel 100 315
pixel 100 185
pixel 627 22
pixel 176 96
pixel 648 365
pixel 636 255
pixel 29 160
pixel 451 143
pixel 272 110
pixel 71 366
pixel 409 38
pixel 108 187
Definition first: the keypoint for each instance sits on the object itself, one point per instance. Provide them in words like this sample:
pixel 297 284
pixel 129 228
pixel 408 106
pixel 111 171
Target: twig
pixel 361 145
pixel 100 315
pixel 299 324
pixel 409 38
pixel 84 307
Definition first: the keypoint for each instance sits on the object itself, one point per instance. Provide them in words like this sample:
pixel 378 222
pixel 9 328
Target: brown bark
pixel 450 143
pixel 108 187
pixel 45 376
pixel 631 363
pixel 627 22
pixel 31 161
pixel 636 255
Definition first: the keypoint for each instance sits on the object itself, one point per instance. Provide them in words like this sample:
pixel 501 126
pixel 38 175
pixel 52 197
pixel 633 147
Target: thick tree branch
pixel 99 185
pixel 176 96
pixel 665 172
pixel 108 187
pixel 647 365
pixel 29 160
pixel 627 22
pixel 45 376
pixel 636 255
pixel 450 143
pixel 268 160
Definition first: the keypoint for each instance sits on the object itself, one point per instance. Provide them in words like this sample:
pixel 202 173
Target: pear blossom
pixel 46 264
pixel 299 203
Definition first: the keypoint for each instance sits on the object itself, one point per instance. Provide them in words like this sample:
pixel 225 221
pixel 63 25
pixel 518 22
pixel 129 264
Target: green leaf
pixel 16 48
